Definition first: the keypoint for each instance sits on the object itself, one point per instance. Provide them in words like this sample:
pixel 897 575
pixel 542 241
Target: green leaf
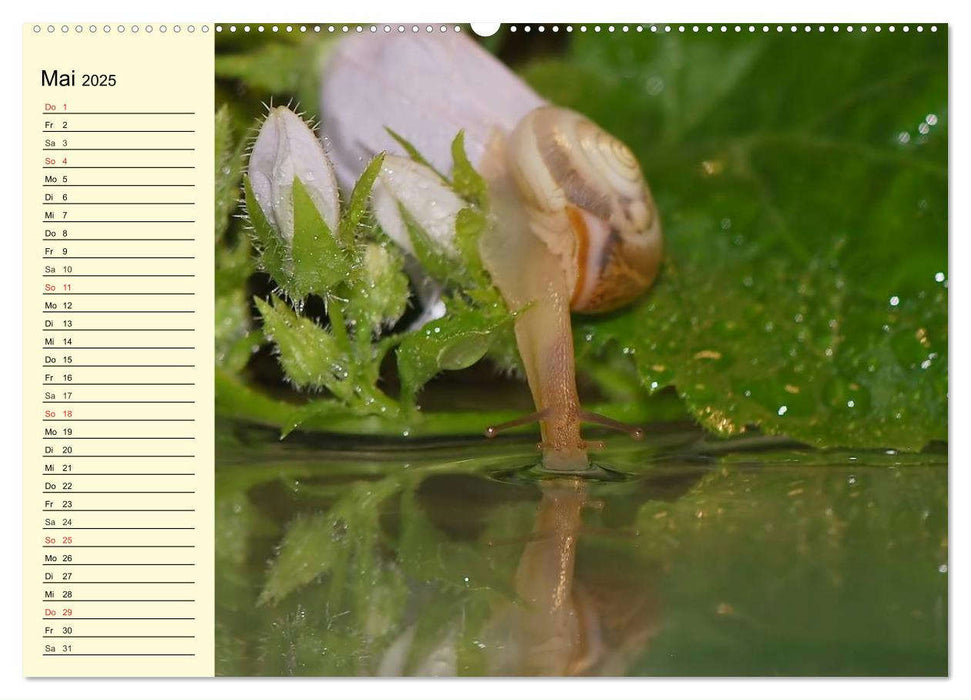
pixel 456 341
pixel 469 225
pixel 357 206
pixel 270 246
pixel 319 263
pixel 465 179
pixel 229 170
pixel 805 224
pixel 309 354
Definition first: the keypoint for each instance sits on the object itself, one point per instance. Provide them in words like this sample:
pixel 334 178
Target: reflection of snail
pixel 567 618
pixel 575 224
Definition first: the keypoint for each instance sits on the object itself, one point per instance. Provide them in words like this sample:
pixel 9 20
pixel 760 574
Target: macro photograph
pixel 581 350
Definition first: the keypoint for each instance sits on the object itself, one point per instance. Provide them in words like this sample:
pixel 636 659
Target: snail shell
pixel 589 203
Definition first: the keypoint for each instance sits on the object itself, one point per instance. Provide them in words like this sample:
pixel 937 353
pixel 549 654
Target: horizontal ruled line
pixel 118 167
pixel 68 347
pixel 119 221
pixel 127 184
pixel 108 204
pixel 122 546
pixel 122 600
pixel 124 564
pixel 130 583
pixel 73 474
pixel 125 275
pixel 118 528
pixel 119 636
pixel 116 149
pixel 119 257
pixel 118 510
pixel 123 311
pixel 64 347
pixel 119 437
pixel 119 294
pixel 54 111
pixel 72 239
pixel 113 654
pixel 118 401
pixel 118 131
pixel 118 383
pixel 144 456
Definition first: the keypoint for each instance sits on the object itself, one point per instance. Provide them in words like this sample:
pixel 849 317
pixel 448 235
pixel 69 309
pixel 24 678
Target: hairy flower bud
pixel 285 149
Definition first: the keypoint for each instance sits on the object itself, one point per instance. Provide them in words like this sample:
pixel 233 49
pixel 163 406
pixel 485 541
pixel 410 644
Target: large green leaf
pixel 802 182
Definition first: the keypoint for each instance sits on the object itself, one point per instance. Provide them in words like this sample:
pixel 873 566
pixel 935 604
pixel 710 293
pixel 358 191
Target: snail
pixel 575 227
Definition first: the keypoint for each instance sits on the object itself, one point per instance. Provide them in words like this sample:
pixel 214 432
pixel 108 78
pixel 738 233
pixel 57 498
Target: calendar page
pixel 357 350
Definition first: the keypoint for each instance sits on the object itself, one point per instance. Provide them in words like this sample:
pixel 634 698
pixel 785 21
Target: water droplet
pixel 942 568
pixel 783 410
pixel 903 137
pixel 939 277
pixel 894 300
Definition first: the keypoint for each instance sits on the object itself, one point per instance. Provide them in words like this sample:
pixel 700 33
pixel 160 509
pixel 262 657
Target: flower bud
pixel 285 149
pixel 420 191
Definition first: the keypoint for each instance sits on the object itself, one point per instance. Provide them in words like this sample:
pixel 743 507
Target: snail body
pixel 574 225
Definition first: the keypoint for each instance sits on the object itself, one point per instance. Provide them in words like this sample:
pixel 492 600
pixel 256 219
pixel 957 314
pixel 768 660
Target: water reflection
pixel 562 624
pixel 560 621
pixel 742 558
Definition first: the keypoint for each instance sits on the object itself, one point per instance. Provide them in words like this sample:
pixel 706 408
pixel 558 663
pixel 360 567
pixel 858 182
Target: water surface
pixel 677 556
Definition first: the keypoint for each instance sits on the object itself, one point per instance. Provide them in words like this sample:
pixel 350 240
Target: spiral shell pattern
pixel 589 203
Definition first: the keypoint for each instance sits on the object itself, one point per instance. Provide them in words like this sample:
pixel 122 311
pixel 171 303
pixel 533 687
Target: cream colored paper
pixel 117 376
